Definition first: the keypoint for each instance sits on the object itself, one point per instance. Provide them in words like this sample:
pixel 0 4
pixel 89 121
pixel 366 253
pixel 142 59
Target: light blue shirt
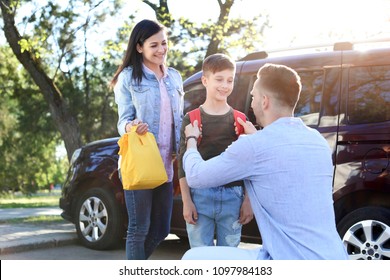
pixel 288 174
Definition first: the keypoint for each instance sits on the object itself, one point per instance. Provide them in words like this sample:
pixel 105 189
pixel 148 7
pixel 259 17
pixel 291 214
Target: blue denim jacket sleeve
pixel 126 109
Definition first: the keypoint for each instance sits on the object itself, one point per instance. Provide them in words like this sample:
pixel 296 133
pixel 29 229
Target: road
pixel 171 249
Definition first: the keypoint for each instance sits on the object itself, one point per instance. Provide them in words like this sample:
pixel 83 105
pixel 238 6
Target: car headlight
pixel 75 156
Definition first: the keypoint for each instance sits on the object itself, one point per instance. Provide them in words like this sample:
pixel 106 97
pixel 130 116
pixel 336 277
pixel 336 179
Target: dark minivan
pixel 345 96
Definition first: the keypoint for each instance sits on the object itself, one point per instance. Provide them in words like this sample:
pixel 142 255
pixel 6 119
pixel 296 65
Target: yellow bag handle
pixel 133 128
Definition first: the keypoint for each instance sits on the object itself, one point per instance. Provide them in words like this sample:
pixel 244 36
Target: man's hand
pixel 249 128
pixel 192 130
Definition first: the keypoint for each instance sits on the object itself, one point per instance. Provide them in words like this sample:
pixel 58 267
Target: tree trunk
pixel 216 38
pixel 64 121
pixel 162 12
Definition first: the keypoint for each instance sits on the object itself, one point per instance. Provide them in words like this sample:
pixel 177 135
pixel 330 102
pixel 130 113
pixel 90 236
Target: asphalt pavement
pixel 19 237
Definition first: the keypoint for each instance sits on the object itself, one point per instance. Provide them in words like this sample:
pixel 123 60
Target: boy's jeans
pixel 218 212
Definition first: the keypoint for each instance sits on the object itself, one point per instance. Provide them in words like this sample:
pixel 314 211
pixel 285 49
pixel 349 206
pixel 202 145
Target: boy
pixel 221 209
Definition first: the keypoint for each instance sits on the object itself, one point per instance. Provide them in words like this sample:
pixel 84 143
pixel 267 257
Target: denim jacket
pixel 143 101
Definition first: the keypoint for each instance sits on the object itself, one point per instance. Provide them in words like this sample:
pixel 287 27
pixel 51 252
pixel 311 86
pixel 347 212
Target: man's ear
pixel 265 102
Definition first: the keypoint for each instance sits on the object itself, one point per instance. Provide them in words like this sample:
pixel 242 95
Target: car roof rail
pixel 338 46
pixel 254 56
pixel 343 46
pixel 264 54
pixel 373 42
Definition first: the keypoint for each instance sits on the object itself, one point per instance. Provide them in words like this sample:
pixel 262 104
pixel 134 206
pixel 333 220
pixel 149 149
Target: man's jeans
pixel 149 214
pixel 218 212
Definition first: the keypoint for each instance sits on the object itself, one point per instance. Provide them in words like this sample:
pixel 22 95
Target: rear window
pixel 309 103
pixel 369 94
pixel 195 96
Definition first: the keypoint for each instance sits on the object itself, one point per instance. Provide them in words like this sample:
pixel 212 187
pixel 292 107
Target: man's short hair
pixel 218 62
pixel 283 82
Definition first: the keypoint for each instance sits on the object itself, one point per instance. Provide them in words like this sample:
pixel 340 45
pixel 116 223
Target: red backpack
pixel 195 115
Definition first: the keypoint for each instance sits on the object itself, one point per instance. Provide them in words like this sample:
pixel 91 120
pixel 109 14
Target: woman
pixel 150 96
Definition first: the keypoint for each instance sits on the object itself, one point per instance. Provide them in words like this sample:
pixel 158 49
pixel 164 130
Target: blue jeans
pixel 218 213
pixel 149 214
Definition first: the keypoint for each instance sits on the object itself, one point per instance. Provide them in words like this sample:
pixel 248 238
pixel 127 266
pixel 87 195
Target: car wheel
pixel 366 233
pixel 99 220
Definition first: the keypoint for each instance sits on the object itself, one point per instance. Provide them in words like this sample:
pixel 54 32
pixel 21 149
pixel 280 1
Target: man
pixel 287 170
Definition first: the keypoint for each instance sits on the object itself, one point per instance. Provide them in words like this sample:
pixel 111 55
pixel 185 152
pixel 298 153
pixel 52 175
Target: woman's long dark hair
pixel 141 31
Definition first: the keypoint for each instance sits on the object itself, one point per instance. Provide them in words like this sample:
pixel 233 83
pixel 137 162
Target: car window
pixel 369 94
pixel 195 96
pixel 308 107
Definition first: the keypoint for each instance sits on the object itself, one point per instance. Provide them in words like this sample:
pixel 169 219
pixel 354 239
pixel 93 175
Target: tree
pixel 27 135
pixel 193 42
pixel 80 104
pixel 217 33
pixel 78 93
pixel 64 121
pixel 162 12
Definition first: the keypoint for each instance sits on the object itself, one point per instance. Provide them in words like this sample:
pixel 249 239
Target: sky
pixel 296 22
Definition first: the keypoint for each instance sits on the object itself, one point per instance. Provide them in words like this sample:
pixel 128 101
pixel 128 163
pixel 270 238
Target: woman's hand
pixel 142 128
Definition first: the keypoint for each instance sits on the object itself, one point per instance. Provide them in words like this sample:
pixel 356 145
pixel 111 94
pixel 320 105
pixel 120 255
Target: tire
pixel 366 233
pixel 99 220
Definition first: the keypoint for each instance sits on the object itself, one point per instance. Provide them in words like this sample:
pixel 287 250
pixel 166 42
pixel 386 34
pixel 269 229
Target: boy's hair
pixel 217 62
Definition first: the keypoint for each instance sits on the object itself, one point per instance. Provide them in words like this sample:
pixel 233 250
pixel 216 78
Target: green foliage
pixel 191 42
pixel 61 35
pixel 236 37
pixel 28 138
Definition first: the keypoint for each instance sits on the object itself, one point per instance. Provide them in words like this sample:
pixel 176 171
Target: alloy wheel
pixel 93 219
pixel 368 240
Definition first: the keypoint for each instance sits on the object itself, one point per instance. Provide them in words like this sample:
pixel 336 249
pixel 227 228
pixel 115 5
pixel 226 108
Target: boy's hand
pixel 192 130
pixel 249 128
pixel 246 212
pixel 189 213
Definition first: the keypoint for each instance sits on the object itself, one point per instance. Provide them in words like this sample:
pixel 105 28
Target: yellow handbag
pixel 141 164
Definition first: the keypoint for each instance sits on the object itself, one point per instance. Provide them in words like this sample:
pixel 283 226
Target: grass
pixel 36 219
pixel 42 199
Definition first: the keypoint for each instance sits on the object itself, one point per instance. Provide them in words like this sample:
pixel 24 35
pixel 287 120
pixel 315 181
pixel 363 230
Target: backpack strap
pixel 241 115
pixel 195 115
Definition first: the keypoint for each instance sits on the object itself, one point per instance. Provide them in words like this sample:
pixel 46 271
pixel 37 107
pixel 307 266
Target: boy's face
pixel 219 85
